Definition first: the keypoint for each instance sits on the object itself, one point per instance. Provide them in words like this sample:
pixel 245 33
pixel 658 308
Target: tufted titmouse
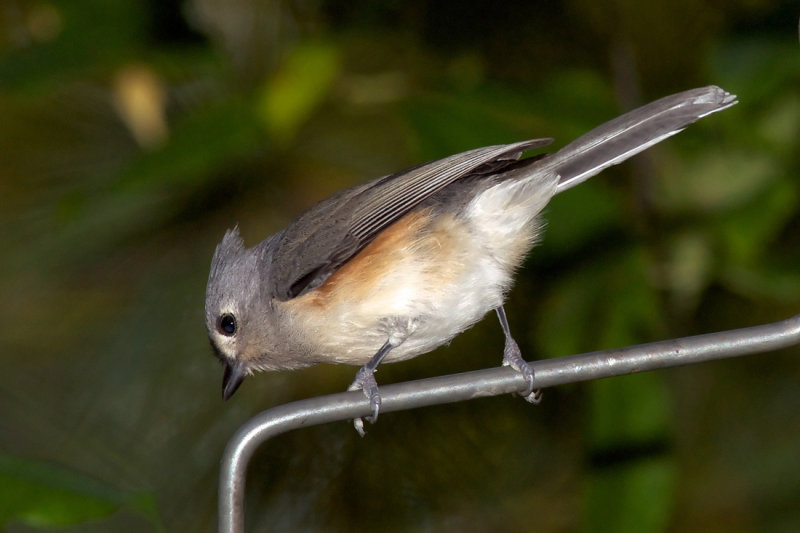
pixel 398 266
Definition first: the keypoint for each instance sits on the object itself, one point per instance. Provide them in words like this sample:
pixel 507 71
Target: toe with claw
pixel 365 382
pixel 512 356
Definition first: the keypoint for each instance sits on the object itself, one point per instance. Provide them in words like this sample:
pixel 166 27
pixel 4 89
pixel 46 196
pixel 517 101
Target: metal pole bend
pixel 481 383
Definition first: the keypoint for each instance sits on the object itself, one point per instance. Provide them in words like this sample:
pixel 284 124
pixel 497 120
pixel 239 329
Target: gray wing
pixel 324 238
pixel 629 134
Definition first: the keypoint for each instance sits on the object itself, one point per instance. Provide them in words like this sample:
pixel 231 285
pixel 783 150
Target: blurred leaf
pixel 630 499
pixel 780 124
pixel 42 495
pixel 631 410
pixel 745 232
pixel 764 282
pixel 687 267
pixel 292 94
pixel 716 180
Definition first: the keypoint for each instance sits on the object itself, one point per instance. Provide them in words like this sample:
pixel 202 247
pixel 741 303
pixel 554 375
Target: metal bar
pixel 481 383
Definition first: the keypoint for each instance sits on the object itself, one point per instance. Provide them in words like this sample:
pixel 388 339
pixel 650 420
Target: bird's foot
pixel 365 382
pixel 512 356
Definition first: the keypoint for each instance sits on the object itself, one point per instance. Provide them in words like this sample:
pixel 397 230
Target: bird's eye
pixel 227 324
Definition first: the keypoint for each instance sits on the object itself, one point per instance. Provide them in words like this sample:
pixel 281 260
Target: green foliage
pixel 631 498
pixel 297 88
pixel 46 496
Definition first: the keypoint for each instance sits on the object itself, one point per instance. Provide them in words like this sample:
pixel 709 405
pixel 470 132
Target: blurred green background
pixel 133 133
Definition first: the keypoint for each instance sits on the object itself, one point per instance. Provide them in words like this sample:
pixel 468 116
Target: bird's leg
pixel 513 357
pixel 365 381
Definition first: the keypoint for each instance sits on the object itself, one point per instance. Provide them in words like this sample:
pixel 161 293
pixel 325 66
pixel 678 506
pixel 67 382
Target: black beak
pixel 233 377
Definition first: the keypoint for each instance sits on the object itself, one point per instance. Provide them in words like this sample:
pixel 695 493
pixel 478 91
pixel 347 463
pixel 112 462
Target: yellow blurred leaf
pixel 297 88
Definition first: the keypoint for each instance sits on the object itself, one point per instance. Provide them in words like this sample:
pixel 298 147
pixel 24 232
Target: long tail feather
pixel 629 134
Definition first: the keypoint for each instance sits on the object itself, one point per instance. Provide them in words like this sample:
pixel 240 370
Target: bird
pixel 400 265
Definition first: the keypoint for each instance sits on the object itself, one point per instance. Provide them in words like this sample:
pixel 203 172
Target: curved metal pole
pixel 480 383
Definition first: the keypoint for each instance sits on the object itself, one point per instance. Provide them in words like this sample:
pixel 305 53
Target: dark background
pixel 132 134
